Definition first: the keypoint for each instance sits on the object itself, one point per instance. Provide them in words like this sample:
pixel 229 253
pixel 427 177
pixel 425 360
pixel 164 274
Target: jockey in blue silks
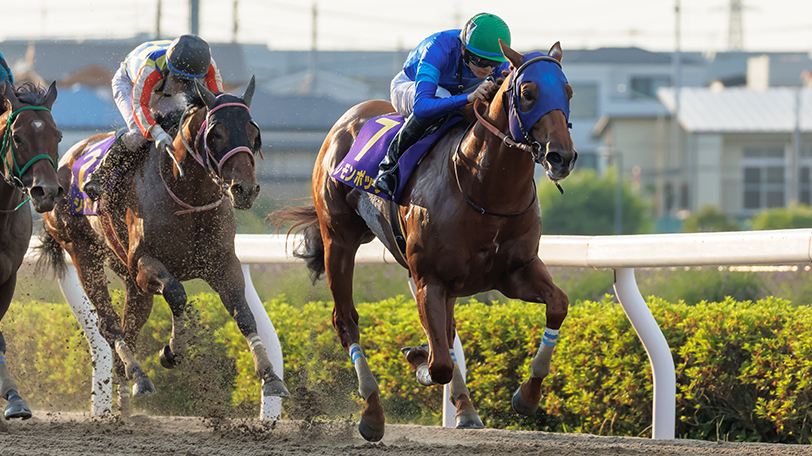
pixel 5 71
pixel 444 72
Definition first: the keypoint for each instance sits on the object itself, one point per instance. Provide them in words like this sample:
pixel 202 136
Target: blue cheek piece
pixel 552 95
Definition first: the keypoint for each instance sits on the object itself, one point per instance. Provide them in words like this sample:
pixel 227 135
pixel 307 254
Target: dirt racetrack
pixel 63 434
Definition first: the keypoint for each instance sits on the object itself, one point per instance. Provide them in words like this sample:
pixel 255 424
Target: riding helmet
pixel 188 57
pixel 481 36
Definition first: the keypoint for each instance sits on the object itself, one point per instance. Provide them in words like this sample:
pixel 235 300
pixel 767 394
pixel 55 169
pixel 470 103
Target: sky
pixel 767 25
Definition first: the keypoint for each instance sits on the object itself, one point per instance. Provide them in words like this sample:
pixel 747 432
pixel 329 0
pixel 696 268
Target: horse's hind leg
pixel 339 258
pixel 533 283
pixel 16 408
pixel 229 282
pixel 418 357
pixel 90 269
pixel 137 308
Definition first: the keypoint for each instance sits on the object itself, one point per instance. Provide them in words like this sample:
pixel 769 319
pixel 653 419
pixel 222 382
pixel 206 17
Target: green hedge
pixel 743 369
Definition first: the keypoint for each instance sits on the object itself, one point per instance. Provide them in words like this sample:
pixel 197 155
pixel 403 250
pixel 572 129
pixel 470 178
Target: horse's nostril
pixel 36 193
pixel 554 159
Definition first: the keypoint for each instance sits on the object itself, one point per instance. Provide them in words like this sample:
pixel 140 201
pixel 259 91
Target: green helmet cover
pixel 482 33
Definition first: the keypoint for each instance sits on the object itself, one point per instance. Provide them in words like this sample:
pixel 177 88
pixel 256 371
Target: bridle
pixel 207 159
pixel 13 174
pixel 533 147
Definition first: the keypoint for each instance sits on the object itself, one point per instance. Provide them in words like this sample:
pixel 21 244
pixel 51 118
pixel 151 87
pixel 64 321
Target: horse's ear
pixel 50 96
pixel 9 95
pixel 513 57
pixel 205 94
pixel 556 52
pixel 249 91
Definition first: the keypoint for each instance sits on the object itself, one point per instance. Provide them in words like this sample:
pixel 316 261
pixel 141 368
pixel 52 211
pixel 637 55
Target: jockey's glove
pixel 162 139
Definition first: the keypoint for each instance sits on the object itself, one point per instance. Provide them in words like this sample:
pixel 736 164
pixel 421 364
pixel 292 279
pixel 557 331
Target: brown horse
pixel 29 145
pixel 171 220
pixel 471 224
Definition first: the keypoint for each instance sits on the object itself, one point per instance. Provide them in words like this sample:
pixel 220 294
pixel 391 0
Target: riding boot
pixel 387 179
pixel 99 180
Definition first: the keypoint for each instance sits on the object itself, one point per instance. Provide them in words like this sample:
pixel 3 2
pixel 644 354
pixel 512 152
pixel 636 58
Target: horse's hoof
pixel 520 406
pixel 275 388
pixel 423 376
pixel 167 358
pixel 143 387
pixel 469 420
pixel 369 433
pixel 16 408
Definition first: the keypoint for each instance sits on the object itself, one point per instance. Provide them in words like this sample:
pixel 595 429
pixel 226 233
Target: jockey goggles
pixel 480 62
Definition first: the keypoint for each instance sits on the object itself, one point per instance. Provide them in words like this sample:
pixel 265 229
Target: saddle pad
pixel 81 169
pixel 360 167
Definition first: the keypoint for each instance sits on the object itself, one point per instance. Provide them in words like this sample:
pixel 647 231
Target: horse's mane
pixel 30 93
pixel 170 121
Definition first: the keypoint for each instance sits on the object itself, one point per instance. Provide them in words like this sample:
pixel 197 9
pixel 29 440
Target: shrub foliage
pixel 743 368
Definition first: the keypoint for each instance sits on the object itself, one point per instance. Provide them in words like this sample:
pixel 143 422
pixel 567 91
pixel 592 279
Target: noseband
pixel 13 170
pixel 209 158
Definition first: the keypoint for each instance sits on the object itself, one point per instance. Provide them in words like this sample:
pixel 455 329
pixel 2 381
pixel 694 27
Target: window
pixel 584 103
pixel 764 181
pixel 645 87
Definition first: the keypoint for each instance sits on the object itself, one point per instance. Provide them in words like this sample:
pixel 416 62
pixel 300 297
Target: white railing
pixel 620 253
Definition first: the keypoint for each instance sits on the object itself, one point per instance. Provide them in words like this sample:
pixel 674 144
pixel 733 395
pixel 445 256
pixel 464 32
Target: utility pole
pixel 235 28
pixel 194 17
pixel 675 62
pixel 158 21
pixel 313 59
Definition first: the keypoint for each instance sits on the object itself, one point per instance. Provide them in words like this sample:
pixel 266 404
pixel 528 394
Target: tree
pixel 796 215
pixel 587 206
pixel 709 219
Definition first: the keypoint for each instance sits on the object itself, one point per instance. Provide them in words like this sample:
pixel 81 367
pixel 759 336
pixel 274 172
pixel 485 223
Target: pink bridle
pixel 203 130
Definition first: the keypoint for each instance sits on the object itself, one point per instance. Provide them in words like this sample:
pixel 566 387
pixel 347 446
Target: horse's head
pixel 230 130
pixel 29 145
pixel 537 103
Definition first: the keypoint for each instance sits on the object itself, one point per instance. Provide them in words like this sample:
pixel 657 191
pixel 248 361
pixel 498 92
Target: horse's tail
pixel 51 256
pixel 311 249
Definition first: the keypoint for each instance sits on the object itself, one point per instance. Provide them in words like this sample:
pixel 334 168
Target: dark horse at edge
pixel 471 221
pixel 172 220
pixel 29 146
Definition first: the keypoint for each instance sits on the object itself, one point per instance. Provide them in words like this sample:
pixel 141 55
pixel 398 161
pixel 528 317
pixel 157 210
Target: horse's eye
pixel 16 138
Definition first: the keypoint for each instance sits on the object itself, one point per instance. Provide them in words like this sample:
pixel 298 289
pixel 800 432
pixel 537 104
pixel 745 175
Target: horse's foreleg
pixel 432 306
pixel 339 264
pixel 16 407
pixel 137 307
pixel 154 278
pixel 230 284
pixel 533 283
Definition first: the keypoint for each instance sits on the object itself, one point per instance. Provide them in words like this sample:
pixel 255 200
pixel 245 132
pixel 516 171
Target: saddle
pixel 360 166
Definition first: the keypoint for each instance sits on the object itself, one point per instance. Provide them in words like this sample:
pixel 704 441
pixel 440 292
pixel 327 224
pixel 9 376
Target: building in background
pixel 736 130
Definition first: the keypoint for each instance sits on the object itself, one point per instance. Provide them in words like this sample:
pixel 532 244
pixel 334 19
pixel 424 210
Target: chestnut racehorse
pixel 29 147
pixel 171 220
pixel 471 223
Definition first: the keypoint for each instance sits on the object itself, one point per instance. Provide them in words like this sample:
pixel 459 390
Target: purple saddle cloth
pixel 81 169
pixel 360 167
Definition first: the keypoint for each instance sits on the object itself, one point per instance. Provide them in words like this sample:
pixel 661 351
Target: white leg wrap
pixel 261 360
pixel 6 382
pixel 366 381
pixel 540 366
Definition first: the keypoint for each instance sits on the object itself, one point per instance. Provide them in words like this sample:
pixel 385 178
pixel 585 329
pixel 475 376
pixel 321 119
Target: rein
pixel 7 150
pixel 476 207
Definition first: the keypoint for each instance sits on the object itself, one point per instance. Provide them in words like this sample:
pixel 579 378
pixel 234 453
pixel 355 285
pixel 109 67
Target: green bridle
pixel 7 148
